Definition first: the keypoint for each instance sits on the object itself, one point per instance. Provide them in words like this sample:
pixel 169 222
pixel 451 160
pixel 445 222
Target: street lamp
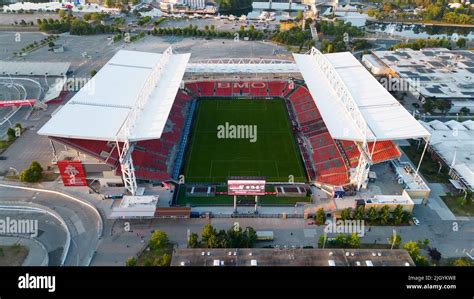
pixel 394 238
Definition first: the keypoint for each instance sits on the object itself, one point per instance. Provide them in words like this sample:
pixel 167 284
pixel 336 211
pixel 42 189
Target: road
pixel 451 238
pixel 50 232
pixel 80 220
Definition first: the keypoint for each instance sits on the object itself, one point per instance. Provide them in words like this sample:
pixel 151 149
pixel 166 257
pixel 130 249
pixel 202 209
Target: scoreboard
pixel 241 186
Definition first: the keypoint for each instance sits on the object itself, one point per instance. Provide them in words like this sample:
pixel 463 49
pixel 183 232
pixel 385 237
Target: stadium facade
pixel 138 118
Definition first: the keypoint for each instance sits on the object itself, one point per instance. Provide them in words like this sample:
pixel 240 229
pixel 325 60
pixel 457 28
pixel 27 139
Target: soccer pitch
pixel 272 152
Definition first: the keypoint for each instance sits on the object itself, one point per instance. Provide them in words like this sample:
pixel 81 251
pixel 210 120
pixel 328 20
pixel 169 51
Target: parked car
pixel 415 221
pixel 113 196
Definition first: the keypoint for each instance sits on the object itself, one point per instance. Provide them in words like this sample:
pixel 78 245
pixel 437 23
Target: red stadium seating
pixel 98 149
pixel 384 151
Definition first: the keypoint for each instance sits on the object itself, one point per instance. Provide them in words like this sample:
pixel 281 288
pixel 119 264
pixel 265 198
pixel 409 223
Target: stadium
pixel 24 85
pixel 320 119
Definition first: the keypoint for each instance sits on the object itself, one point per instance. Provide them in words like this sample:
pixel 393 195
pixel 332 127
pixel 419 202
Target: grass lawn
pixel 273 155
pixel 13 255
pixel 429 167
pixel 456 204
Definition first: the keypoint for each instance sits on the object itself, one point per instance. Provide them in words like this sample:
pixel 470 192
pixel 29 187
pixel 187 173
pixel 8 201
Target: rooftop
pixel 362 102
pixel 442 73
pixel 21 68
pixel 290 257
pixel 136 88
pixel 453 141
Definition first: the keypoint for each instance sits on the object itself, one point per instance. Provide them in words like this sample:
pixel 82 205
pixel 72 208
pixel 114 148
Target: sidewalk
pixel 437 204
pixel 37 254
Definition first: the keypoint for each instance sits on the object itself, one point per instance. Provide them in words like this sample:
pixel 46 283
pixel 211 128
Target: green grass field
pixel 273 155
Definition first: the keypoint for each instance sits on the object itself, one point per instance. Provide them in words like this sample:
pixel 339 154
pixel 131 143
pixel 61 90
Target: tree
pixel 406 216
pixel 32 174
pixel 443 105
pixel 162 261
pixel 193 241
pixel 340 240
pixel 397 215
pixel 372 215
pixel 461 262
pixel 359 213
pixel 158 240
pixel 426 242
pixel 299 16
pixel 250 237
pixel 384 215
pixel 131 261
pixel 434 254
pixel 412 248
pixel 109 3
pixel 320 217
pixel 421 261
pixel 346 214
pixel 428 105
pixel 206 233
pixel 50 44
pixel 93 72
pixel 223 239
pixel 11 135
pixel 465 111
pixel 353 240
pixel 461 43
pixel 212 242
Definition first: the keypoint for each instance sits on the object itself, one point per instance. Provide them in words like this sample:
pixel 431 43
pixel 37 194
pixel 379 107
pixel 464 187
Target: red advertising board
pixel 72 173
pixel 17 103
pixel 246 187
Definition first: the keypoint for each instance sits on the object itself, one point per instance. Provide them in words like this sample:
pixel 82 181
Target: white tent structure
pixel 354 105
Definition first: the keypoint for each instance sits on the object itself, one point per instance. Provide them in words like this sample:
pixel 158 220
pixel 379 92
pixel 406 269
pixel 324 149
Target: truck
pixel 264 235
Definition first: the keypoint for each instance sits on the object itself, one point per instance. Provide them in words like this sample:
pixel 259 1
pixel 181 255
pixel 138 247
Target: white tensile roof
pixel 385 117
pixel 454 141
pixel 100 109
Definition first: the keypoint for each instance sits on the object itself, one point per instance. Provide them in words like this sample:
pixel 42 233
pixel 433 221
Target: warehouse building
pixel 431 74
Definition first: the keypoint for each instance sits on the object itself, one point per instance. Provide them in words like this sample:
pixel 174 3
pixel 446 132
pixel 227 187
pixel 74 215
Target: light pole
pixel 394 238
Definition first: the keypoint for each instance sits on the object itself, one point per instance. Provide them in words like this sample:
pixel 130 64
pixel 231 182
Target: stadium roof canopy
pixel 241 65
pixel 350 98
pixel 134 90
pixel 22 68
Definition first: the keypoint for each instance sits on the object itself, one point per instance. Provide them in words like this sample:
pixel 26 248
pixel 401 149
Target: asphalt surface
pixel 80 220
pixel 50 232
